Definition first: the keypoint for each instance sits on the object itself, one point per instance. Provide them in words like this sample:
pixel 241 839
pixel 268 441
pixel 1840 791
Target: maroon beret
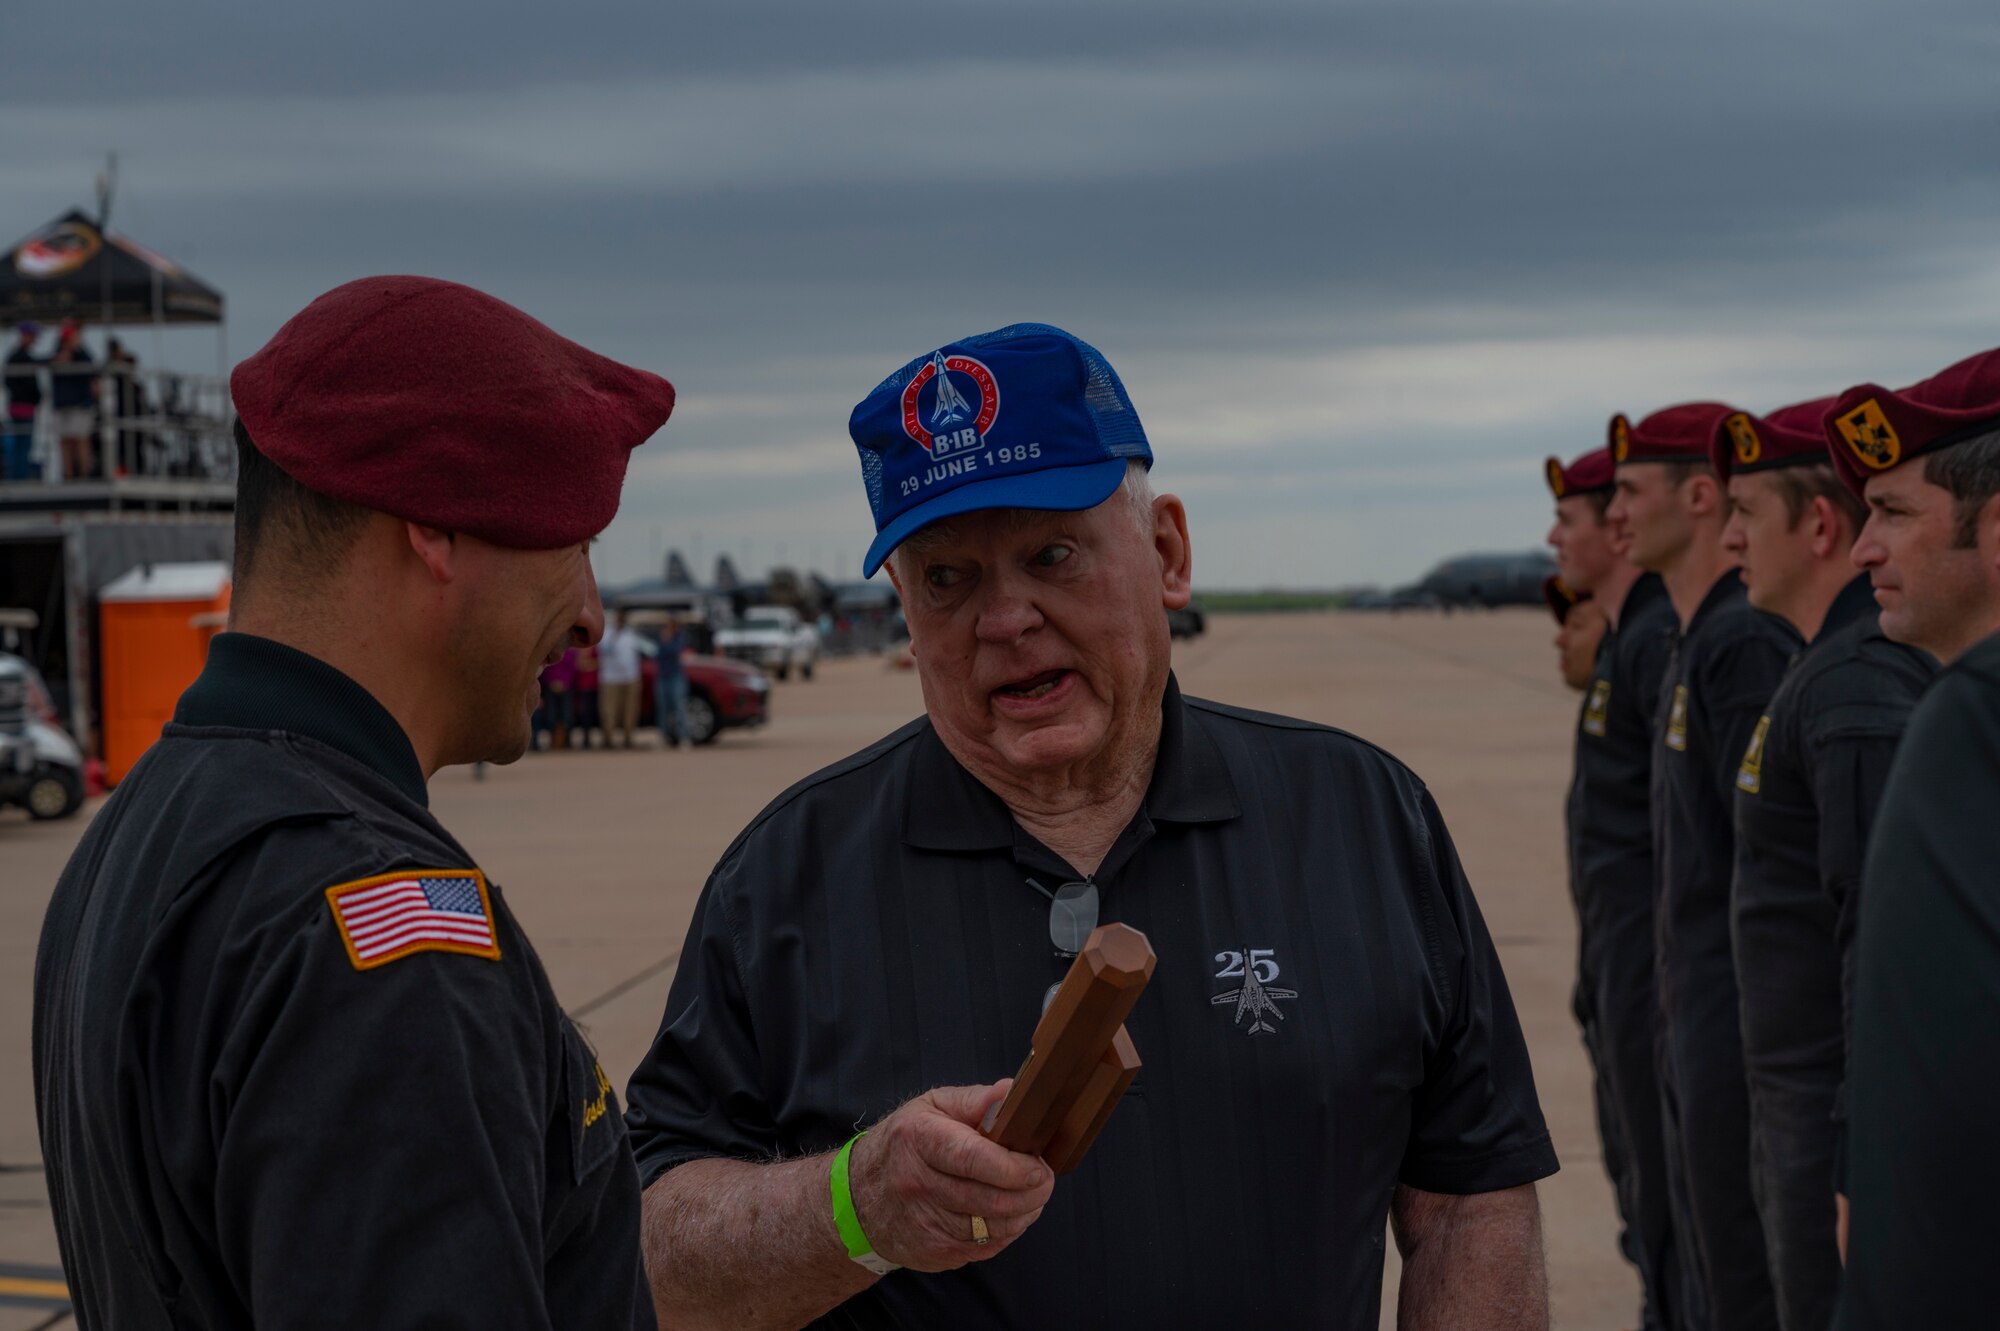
pixel 441 405
pixel 1589 474
pixel 1671 434
pixel 1793 436
pixel 1870 429
pixel 1559 598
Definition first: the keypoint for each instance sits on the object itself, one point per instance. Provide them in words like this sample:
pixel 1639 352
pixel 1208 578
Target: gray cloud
pixel 1361 265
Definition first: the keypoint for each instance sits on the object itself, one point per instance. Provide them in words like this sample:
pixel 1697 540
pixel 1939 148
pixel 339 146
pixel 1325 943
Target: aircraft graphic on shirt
pixel 1256 999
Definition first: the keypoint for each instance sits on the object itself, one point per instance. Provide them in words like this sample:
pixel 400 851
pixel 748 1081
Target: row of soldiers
pixel 1784 843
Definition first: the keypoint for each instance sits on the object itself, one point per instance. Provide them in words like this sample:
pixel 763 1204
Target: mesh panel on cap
pixel 1117 425
pixel 871 476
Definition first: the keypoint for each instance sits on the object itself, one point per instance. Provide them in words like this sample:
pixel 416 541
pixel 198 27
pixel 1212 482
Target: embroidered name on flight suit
pixel 1677 720
pixel 1597 709
pixel 1750 777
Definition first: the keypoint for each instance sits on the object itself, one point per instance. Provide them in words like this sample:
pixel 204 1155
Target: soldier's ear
pixel 1987 534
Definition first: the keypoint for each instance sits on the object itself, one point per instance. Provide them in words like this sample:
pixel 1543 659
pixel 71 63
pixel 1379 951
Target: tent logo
pixel 958 409
pixel 58 249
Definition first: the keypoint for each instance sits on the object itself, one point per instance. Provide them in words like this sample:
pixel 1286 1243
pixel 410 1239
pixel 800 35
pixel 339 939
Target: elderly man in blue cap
pixel 1328 1041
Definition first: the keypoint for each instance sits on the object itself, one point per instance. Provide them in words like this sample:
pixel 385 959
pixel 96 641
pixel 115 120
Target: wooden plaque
pixel 1081 1060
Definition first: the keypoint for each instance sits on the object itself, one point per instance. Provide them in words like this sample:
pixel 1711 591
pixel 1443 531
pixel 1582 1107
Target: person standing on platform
pixel 1610 841
pixel 24 403
pixel 73 401
pixel 670 686
pixel 1726 661
pixel 1924 1064
pixel 296 1064
pixel 618 683
pixel 1806 795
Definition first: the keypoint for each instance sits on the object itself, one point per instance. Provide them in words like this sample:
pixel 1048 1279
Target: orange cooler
pixel 154 624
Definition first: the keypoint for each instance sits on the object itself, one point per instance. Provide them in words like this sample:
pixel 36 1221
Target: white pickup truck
pixel 774 637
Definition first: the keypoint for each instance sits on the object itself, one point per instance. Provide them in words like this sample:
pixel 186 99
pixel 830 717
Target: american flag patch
pixel 392 915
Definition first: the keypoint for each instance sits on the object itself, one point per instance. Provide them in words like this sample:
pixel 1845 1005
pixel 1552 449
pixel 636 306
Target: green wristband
pixel 859 1249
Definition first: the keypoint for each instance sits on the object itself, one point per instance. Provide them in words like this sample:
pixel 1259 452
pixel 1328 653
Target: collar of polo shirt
pixel 948 809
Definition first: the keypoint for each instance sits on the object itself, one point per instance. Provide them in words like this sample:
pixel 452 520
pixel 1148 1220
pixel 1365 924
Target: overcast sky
pixel 1360 266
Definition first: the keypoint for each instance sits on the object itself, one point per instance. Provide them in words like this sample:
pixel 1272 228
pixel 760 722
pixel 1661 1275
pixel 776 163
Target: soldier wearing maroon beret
pixel 1924 1067
pixel 1611 863
pixel 296 1063
pixel 1806 796
pixel 1726 661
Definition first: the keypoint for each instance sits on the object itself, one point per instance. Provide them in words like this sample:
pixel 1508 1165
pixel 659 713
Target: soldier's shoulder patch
pixel 1750 777
pixel 392 915
pixel 1597 709
pixel 1677 720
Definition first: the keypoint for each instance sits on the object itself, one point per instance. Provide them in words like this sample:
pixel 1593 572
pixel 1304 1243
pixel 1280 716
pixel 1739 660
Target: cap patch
pixel 1555 470
pixel 393 915
pixel 1621 439
pixel 1744 435
pixel 954 416
pixel 1869 436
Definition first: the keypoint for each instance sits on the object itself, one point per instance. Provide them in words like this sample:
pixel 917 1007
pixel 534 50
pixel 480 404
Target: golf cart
pixel 40 767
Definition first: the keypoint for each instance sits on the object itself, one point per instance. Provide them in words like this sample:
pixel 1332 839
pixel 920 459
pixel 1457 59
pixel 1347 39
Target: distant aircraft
pixel 726 580
pixel 1490 580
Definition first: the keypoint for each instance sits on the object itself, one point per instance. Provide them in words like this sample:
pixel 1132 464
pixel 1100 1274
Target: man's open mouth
pixel 1034 686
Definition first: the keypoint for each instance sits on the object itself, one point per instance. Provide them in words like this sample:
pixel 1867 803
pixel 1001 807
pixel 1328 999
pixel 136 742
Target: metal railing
pixel 157 424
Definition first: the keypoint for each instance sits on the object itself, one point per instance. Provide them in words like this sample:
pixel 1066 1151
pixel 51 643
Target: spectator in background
pixel 670 686
pixel 618 683
pixel 73 399
pixel 559 698
pixel 24 402
pixel 129 397
pixel 587 717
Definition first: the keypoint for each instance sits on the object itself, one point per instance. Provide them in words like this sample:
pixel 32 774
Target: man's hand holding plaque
pixel 1081 1061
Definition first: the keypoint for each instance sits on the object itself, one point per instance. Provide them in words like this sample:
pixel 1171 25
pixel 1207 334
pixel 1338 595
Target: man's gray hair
pixel 1137 489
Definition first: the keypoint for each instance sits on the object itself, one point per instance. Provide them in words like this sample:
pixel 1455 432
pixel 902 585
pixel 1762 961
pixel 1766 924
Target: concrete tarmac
pixel 602 855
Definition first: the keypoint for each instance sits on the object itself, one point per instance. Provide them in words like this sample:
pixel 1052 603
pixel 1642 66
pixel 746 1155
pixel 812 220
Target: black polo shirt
pixel 1610 821
pixel 254 1114
pixel 1925 1069
pixel 1806 795
pixel 872 935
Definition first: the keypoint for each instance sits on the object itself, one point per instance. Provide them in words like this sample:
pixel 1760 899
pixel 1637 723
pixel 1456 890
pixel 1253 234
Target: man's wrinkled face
pixel 514 612
pixel 1928 588
pixel 1585 543
pixel 1041 638
pixel 1774 553
pixel 1649 506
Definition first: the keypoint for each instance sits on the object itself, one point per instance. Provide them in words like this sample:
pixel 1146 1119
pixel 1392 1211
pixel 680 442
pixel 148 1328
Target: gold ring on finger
pixel 979 1234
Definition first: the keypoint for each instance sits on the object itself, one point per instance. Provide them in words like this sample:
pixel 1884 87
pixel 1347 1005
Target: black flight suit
pixel 1922 1170
pixel 1611 880
pixel 1725 667
pixel 242 1125
pixel 1806 797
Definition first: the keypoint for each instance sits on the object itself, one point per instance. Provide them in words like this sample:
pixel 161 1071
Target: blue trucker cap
pixel 1023 417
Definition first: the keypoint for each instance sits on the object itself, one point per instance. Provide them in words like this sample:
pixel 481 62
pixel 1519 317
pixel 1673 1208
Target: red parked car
pixel 721 694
